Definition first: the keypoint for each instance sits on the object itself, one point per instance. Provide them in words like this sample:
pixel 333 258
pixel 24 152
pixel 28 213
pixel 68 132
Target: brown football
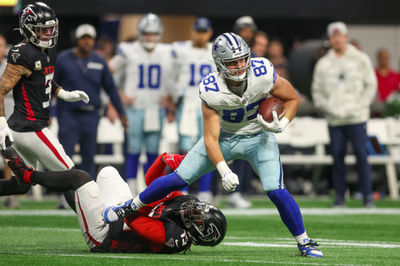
pixel 269 105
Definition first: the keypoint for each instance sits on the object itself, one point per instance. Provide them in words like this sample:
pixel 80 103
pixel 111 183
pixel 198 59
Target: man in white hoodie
pixel 344 85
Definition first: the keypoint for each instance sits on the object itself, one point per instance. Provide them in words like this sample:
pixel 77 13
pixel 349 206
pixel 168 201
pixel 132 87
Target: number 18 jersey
pixel 238 114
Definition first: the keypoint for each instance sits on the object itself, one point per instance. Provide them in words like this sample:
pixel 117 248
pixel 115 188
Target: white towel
pixel 152 119
pixel 188 123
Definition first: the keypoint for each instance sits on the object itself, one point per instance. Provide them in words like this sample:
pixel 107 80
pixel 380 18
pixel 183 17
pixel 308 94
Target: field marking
pixel 322 244
pixel 56 229
pixel 229 212
pixel 314 211
pixel 284 242
pixel 168 257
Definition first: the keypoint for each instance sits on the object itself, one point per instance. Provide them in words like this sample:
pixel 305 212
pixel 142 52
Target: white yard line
pixel 324 244
pixel 229 212
pixel 314 211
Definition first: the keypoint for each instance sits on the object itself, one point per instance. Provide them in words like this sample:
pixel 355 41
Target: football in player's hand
pixel 269 105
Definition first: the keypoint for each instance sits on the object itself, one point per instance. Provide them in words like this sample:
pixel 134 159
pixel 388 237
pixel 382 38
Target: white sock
pixel 137 203
pixel 303 238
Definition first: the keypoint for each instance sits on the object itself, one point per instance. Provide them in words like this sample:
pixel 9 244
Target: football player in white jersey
pixel 146 66
pixel 234 130
pixel 193 63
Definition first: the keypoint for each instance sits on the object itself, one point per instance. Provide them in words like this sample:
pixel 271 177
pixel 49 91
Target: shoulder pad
pixel 209 90
pixel 263 68
pixel 21 54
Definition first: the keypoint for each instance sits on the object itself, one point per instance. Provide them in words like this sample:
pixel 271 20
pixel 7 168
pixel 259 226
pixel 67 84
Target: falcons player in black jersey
pixel 29 73
pixel 169 225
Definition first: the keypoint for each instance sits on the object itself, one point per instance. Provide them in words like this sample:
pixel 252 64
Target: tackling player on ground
pixel 29 73
pixel 233 130
pixel 168 225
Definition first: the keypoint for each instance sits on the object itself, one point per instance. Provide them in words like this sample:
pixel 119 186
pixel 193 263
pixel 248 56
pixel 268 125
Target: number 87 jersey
pixel 238 114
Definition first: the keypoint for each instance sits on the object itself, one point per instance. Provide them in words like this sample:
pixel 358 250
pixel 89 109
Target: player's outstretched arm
pixel 211 135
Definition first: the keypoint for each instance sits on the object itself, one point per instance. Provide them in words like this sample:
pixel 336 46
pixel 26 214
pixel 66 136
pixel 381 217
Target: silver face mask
pixel 227 49
pixel 38 24
pixel 150 23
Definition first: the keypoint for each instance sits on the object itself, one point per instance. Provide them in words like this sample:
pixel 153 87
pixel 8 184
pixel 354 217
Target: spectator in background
pixel 194 62
pixel 81 67
pixel 260 45
pixel 343 88
pixel 245 28
pixel 105 47
pixel 10 201
pixel 276 54
pixel 388 79
pixel 147 67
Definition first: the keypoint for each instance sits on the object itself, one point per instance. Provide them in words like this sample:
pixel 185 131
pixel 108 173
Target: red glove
pixel 173 160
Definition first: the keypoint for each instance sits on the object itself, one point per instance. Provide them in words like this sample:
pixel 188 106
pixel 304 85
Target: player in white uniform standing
pixel 234 130
pixel 194 62
pixel 146 65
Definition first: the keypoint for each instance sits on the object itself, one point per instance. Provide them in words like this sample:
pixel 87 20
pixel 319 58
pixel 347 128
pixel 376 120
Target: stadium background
pixel 374 24
pixel 349 237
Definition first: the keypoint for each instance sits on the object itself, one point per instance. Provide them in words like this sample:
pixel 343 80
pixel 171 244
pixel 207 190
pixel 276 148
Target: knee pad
pixel 113 188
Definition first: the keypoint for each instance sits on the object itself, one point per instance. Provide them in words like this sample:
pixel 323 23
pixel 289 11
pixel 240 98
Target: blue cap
pixel 202 24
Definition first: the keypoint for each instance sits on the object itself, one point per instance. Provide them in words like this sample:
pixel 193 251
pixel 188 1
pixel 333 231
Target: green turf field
pixel 353 236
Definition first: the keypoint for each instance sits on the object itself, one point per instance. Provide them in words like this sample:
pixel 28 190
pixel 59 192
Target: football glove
pixel 73 96
pixel 172 160
pixel 229 179
pixel 276 125
pixel 4 132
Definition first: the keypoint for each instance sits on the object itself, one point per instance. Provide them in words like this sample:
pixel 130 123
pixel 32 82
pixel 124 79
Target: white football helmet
pixel 149 23
pixel 230 47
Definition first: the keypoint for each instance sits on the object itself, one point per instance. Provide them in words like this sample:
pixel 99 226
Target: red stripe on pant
pixel 51 147
pixel 94 241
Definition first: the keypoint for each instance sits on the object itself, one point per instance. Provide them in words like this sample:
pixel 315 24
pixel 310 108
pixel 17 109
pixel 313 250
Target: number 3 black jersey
pixel 32 94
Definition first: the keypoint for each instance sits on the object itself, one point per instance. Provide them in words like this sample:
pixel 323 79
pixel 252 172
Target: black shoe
pixel 17 165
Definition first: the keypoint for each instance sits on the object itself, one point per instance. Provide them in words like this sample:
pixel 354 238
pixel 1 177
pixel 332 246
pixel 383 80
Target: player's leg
pixel 338 151
pixel 88 141
pixel 263 153
pixel 113 188
pixel 195 164
pixel 90 208
pixel 51 154
pixel 13 186
pixel 152 143
pixel 358 137
pixel 135 136
pixel 204 191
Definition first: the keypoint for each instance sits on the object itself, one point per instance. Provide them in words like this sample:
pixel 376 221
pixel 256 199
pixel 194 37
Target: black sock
pixel 61 181
pixel 11 187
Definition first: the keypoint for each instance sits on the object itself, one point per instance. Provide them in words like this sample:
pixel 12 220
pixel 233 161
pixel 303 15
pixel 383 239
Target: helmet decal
pixel 28 15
